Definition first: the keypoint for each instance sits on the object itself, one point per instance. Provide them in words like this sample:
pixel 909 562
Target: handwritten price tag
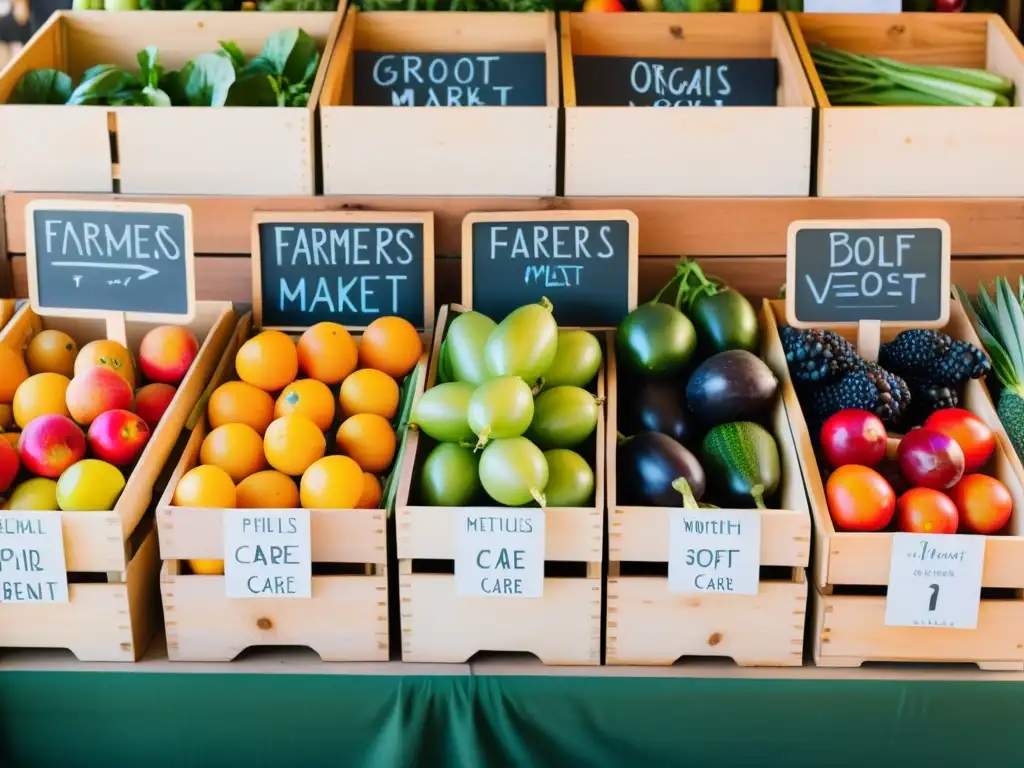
pixel 934 581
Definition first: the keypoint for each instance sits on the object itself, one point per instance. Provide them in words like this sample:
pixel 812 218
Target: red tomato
pixel 924 510
pixel 971 433
pixel 859 499
pixel 853 436
pixel 985 504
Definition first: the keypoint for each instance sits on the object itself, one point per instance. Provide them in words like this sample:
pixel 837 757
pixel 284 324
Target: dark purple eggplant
pixel 648 466
pixel 731 386
pixel 659 406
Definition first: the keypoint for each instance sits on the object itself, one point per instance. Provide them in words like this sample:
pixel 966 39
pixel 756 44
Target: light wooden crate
pixel 917 151
pixel 713 151
pixel 109 619
pixel 150 150
pixel 648 624
pixel 562 627
pixel 439 150
pixel 346 617
pixel 849 629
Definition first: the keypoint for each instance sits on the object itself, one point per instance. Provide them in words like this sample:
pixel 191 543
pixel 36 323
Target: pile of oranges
pixel 292 404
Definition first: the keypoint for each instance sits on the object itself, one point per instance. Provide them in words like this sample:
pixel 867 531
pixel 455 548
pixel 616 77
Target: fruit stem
pixel 546 303
pixel 621 439
pixel 665 287
pixel 683 486
pixel 538 497
pixel 758 493
pixel 599 401
pixel 536 388
pixel 484 436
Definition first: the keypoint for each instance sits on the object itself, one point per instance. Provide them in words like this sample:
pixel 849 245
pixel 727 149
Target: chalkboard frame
pixel 853 225
pixel 633 257
pixel 421 218
pixel 57 205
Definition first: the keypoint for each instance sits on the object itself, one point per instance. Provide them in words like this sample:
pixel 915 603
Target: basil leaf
pixel 105 81
pixel 237 57
pixel 42 86
pixel 210 80
pixel 255 91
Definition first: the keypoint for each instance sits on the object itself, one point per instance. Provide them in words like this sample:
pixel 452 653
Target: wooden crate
pixel 562 627
pixel 917 151
pixel 112 621
pixel 346 617
pixel 177 150
pixel 723 151
pixel 849 629
pixel 431 150
pixel 647 624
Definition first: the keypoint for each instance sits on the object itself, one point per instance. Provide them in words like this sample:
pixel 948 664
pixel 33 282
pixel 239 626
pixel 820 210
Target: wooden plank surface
pixel 668 226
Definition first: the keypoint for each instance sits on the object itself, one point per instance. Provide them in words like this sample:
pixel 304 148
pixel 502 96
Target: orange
pixel 206 567
pixel 268 489
pixel 39 395
pixel 236 402
pixel 333 482
pixel 207 487
pixel 292 443
pixel 309 398
pixel 369 391
pixel 12 372
pixel 235 448
pixel 371 495
pixel 52 352
pixel 369 439
pixel 392 345
pixel 6 416
pixel 327 353
pixel 108 353
pixel 268 361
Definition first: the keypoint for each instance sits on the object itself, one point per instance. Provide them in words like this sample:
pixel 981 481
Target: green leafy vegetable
pixel 42 86
pixel 211 78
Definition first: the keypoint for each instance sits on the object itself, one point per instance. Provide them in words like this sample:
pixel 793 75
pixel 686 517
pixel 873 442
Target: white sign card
pixel 934 581
pixel 713 551
pixel 267 553
pixel 853 6
pixel 32 566
pixel 499 554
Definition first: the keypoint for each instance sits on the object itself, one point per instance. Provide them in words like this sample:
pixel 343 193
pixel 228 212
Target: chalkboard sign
pixel 347 267
pixel 584 262
pixel 888 271
pixel 450 79
pixel 95 259
pixel 629 81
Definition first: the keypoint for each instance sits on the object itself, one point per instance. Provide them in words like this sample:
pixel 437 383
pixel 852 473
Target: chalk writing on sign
pixel 499 555
pixel 712 551
pixel 267 554
pixel 32 567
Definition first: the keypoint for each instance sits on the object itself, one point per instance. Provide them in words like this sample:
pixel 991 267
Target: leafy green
pixel 211 78
pixel 42 86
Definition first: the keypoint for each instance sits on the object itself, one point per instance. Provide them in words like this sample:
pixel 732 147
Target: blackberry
pixel 818 356
pixel 928 398
pixel 870 389
pixel 929 356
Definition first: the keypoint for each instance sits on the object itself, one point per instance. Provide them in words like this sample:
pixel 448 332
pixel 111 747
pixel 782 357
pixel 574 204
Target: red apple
pixel 9 465
pixel 95 391
pixel 853 437
pixel 50 444
pixel 930 459
pixel 152 400
pixel 971 433
pixel 166 353
pixel 118 437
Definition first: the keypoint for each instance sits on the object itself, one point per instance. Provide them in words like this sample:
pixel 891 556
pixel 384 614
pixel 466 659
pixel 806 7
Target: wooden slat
pixel 668 226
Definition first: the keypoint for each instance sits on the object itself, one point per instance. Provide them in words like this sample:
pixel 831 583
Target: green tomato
pixel 577 360
pixel 441 412
pixel 524 343
pixel 500 408
pixel 514 472
pixel 563 417
pixel 450 476
pixel 570 479
pixel 465 341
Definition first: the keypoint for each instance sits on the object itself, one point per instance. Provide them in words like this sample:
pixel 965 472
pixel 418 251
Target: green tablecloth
pixel 150 720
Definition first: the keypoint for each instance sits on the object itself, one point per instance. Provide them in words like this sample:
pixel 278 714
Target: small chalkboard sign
pixel 450 79
pixel 119 261
pixel 868 273
pixel 347 267
pixel 630 81
pixel 584 262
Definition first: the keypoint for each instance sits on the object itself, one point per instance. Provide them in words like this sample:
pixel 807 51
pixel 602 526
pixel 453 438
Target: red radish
pixel 853 437
pixel 985 504
pixel 971 434
pixel 923 510
pixel 930 459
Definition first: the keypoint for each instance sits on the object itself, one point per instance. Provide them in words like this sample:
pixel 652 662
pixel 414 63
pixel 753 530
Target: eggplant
pixel 655 339
pixel 649 466
pixel 659 406
pixel 724 320
pixel 731 386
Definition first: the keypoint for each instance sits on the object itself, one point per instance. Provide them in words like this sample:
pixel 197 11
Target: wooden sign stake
pixel 117 328
pixel 869 339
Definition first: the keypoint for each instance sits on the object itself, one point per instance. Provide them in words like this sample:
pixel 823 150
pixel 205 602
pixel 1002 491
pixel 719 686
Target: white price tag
pixel 32 566
pixel 267 553
pixel 853 6
pixel 714 551
pixel 934 581
pixel 499 554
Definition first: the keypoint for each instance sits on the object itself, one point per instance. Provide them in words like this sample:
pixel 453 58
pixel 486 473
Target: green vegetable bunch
pixel 281 76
